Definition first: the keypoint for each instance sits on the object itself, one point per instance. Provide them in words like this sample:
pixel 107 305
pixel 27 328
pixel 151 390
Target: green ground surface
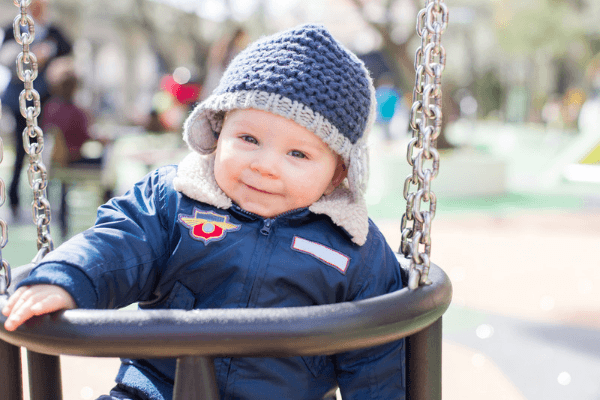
pixel 392 206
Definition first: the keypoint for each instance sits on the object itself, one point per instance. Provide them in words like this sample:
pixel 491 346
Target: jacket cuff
pixel 70 278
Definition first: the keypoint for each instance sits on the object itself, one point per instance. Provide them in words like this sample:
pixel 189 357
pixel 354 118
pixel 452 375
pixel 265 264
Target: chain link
pixel 426 125
pixel 33 136
pixel 5 274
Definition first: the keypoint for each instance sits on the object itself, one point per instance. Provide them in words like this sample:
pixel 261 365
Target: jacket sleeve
pixel 119 260
pixel 375 372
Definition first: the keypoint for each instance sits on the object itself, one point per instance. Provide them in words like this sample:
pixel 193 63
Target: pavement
pixel 524 319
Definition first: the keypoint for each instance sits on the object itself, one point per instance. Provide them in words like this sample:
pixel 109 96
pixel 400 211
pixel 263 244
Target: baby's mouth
pixel 257 189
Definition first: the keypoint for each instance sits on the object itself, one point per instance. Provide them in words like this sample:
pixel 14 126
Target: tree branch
pixel 400 63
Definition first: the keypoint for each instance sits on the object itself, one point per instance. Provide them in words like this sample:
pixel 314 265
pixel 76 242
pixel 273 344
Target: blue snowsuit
pixel 157 246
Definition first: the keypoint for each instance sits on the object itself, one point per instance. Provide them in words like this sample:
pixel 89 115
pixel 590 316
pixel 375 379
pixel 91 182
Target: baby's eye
pixel 249 139
pixel 297 154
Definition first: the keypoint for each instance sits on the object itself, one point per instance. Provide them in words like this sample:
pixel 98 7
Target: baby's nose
pixel 266 163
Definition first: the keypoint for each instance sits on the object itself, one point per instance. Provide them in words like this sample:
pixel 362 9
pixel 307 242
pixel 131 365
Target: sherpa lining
pixel 196 179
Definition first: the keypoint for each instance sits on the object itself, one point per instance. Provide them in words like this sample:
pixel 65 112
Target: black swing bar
pixel 196 337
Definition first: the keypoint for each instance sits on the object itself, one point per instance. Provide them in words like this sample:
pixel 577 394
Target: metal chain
pixel 5 274
pixel 33 137
pixel 426 124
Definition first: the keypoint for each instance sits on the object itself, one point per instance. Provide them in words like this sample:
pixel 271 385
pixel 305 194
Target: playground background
pixel 517 226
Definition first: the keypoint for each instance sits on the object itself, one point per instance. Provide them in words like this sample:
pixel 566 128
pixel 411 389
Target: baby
pixel 268 210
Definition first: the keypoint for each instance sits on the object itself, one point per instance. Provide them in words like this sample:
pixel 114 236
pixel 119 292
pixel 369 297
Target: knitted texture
pixel 309 66
pixel 307 76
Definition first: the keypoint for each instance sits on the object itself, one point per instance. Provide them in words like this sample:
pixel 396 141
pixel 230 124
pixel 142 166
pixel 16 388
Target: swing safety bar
pixel 196 337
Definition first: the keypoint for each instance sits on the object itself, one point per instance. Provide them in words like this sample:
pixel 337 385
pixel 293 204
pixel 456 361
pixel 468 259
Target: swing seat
pixel 195 337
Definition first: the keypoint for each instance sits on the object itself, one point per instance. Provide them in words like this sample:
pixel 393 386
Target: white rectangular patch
pixel 323 253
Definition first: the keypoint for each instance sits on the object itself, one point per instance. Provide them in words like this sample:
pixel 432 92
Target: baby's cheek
pixel 222 176
pixel 307 192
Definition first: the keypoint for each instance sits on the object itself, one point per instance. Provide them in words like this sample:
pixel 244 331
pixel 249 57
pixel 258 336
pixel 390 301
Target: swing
pixel 195 337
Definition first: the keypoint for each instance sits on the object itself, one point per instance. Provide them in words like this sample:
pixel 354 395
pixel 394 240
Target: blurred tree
pixel 551 25
pixel 186 29
pixel 398 52
pixel 398 56
pixel 552 28
pixel 489 93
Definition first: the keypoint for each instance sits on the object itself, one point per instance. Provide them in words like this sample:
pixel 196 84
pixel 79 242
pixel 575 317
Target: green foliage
pixel 525 27
pixel 489 93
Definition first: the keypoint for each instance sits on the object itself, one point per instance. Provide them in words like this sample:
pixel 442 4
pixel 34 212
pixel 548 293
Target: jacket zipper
pixel 268 222
pixel 266 229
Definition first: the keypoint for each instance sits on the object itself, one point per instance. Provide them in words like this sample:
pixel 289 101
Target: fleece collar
pixel 196 179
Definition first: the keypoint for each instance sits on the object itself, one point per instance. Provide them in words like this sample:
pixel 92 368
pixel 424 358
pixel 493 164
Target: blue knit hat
pixel 302 74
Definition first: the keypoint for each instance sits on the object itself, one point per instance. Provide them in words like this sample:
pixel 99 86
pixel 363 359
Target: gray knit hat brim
pixel 202 127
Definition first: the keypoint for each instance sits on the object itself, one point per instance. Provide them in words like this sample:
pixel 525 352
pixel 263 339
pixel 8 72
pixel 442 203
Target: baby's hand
pixel 28 301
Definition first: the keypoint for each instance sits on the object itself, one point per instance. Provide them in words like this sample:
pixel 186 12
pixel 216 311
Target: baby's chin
pixel 263 210
pixel 260 211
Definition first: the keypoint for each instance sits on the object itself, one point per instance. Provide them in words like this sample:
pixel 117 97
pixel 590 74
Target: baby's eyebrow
pixel 315 143
pixel 245 125
pixel 308 144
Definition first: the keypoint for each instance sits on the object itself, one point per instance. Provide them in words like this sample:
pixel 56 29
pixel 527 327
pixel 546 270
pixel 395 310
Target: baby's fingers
pixel 12 301
pixel 53 300
pixel 37 300
pixel 19 309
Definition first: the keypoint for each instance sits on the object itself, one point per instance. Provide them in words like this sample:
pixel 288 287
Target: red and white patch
pixel 323 253
pixel 207 226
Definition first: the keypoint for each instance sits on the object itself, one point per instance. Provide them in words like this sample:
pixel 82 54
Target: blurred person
pixel 49 42
pixel 66 123
pixel 64 120
pixel 153 123
pixel 388 101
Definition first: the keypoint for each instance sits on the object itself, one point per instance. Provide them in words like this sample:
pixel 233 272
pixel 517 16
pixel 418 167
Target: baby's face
pixel 268 164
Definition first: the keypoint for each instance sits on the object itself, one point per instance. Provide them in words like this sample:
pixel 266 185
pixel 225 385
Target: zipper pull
pixel 266 229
